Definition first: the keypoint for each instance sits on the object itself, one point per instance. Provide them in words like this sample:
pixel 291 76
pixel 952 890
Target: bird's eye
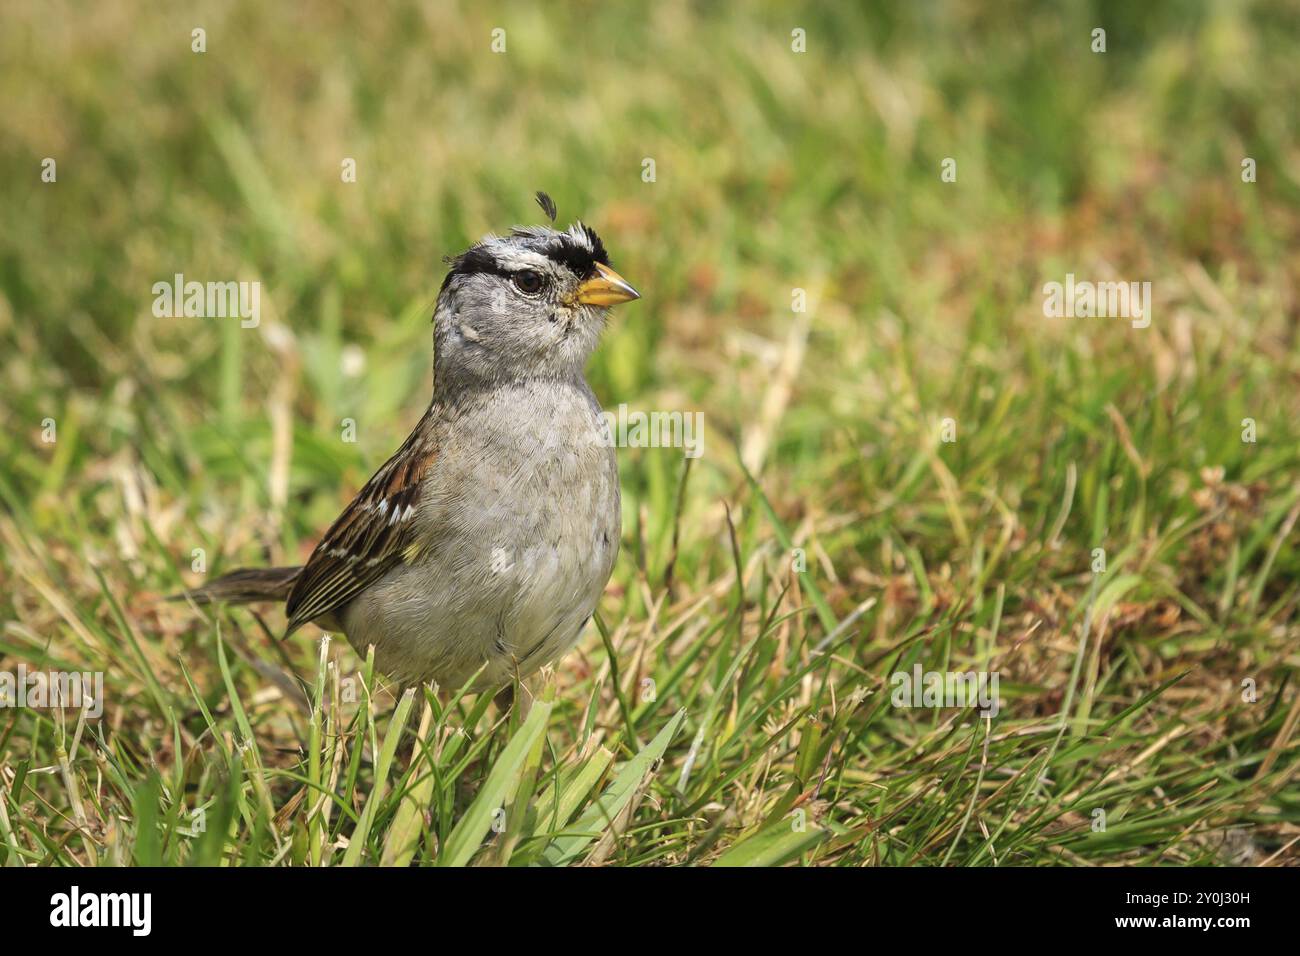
pixel 528 282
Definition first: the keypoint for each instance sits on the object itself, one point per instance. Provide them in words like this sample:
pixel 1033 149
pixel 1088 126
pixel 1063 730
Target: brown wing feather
pixel 369 537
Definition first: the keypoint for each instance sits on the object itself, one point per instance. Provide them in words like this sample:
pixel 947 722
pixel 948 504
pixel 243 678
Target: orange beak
pixel 606 287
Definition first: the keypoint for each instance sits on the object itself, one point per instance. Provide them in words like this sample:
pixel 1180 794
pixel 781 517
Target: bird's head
pixel 528 304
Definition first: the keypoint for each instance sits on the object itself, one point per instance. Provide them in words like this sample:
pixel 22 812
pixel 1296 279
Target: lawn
pixel 842 223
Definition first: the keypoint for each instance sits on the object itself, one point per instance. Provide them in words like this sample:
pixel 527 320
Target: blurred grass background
pixel 775 170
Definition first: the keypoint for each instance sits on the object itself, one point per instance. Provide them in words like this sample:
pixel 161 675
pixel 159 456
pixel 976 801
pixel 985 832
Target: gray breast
pixel 522 515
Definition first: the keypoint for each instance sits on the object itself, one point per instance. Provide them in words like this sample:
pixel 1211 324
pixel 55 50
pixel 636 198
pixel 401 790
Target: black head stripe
pixel 473 260
pixel 562 248
pixel 598 248
pixel 574 254
pixel 476 259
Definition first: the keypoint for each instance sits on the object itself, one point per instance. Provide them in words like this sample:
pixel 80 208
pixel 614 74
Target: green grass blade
pixel 467 837
pixel 564 849
pixel 396 726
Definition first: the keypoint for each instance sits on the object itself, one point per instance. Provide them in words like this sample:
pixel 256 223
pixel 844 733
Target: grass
pixel 732 703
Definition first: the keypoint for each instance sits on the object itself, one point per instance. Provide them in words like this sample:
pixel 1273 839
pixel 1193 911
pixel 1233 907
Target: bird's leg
pixel 517 693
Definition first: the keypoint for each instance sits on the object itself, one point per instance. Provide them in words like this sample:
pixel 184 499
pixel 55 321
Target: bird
pixel 478 552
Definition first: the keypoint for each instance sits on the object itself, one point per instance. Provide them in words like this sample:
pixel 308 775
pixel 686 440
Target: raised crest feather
pixel 547 204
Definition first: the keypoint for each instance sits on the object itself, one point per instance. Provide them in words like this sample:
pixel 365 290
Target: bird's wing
pixel 374 533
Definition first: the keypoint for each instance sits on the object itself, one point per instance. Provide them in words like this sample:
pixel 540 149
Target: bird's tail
pixel 244 586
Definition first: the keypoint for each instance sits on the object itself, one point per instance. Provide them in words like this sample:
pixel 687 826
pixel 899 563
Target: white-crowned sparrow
pixel 488 537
